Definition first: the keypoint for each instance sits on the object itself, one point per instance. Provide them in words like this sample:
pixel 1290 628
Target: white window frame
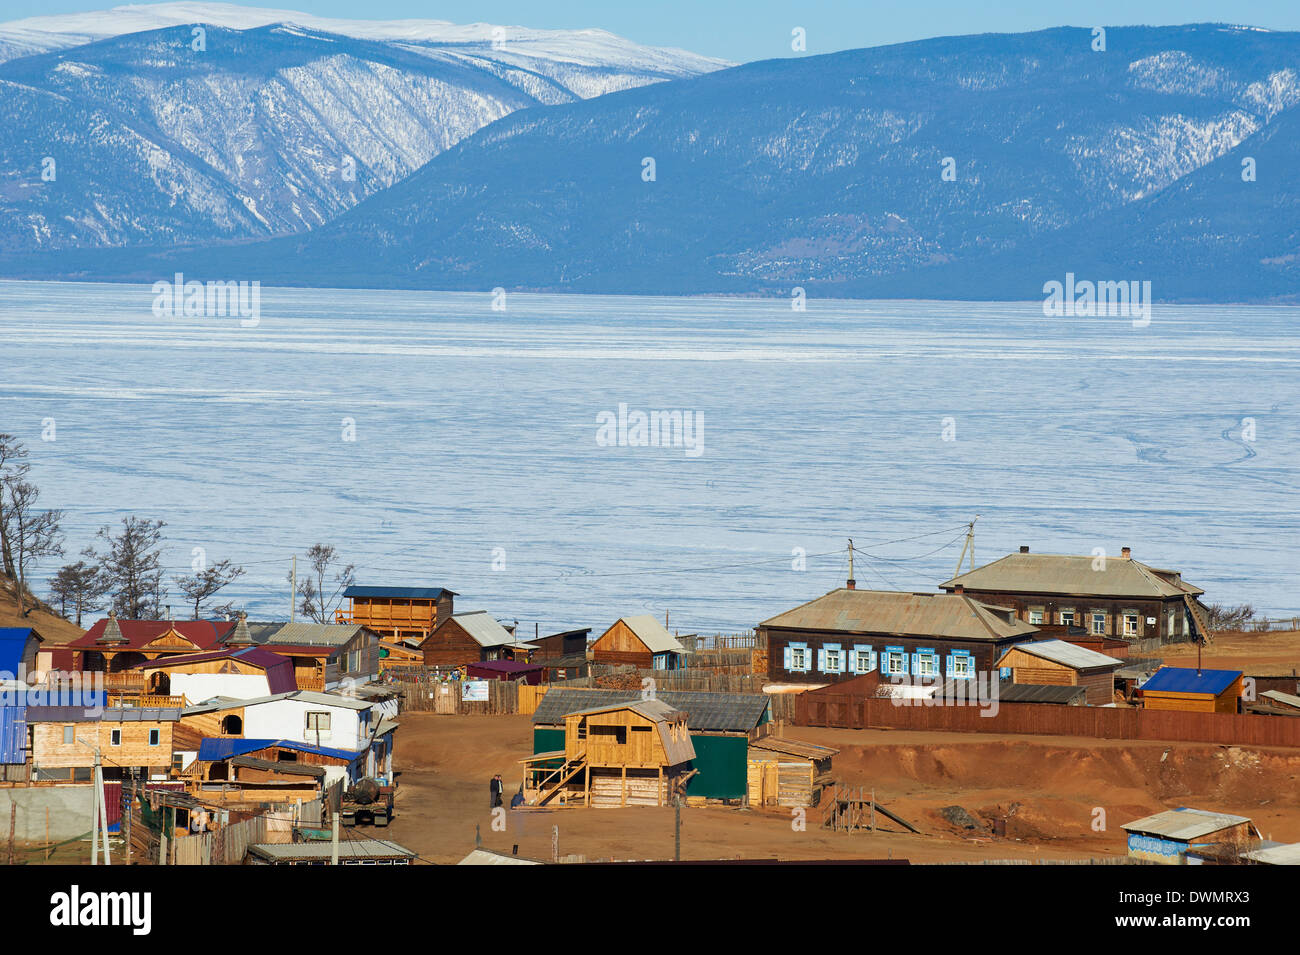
pixel 1136 620
pixel 114 737
pixel 323 730
pixel 833 661
pixel 1036 612
pixel 1097 628
pixel 1062 615
pixel 798 659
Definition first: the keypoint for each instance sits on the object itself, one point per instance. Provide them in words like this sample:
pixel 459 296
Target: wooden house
pixel 1058 663
pixel 471 637
pixel 908 637
pixel 641 641
pixel 788 772
pixel 566 643
pixel 114 645
pixel 1170 837
pixel 1192 691
pixel 248 780
pixel 324 656
pixel 721 727
pixel 1115 597
pixel 231 672
pixel 64 740
pixel 633 753
pixel 399 614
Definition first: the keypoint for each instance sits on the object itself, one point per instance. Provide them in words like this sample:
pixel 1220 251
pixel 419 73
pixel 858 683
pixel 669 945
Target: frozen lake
pixel 476 463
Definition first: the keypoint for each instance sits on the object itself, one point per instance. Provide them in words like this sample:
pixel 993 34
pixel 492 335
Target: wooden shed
pixel 1170 837
pixel 788 772
pixel 635 753
pixel 641 641
pixel 1192 691
pixel 1059 663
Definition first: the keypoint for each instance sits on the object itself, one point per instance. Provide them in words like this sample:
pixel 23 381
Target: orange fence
pixel 855 712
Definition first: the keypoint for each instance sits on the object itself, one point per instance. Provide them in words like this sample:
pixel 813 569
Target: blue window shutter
pixel 821 660
pixel 853 661
pixel 787 659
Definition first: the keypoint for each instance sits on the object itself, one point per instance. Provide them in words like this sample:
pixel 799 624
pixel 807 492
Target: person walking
pixel 494 789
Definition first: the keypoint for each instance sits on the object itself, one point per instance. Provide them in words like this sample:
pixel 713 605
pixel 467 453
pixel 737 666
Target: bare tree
pixel 32 533
pixel 323 579
pixel 206 583
pixel 13 467
pixel 132 563
pixel 1221 617
pixel 82 585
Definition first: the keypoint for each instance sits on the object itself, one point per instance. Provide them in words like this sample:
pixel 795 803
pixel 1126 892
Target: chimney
pixel 959 588
pixel 851 584
pixel 1024 549
pixel 1126 552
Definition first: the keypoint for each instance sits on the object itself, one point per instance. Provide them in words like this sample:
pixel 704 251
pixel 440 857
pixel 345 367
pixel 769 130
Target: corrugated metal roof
pixel 1073 574
pixel 1066 654
pixel 488 857
pixel 136 633
pixel 1276 855
pixel 653 634
pixel 1188 680
pixel 791 747
pixel 948 616
pixel 705 712
pixel 278 766
pixel 13 643
pixel 309 634
pixel 1039 693
pixel 1277 696
pixel 399 593
pixel 13 735
pixel 307 696
pixel 483 628
pixel 348 849
pixel 1184 824
pixel 214 748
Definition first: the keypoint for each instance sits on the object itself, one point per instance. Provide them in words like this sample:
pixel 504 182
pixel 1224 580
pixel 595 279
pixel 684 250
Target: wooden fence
pixel 447 697
pixel 721 641
pixel 853 712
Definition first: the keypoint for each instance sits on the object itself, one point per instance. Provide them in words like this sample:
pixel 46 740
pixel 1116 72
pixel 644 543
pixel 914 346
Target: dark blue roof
pixel 1186 680
pixel 13 640
pixel 215 748
pixel 400 593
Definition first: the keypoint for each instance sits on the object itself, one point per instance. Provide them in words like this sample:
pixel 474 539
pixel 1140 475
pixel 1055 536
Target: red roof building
pixel 113 645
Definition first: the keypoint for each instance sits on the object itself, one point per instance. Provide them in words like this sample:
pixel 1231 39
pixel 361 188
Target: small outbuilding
pixel 1182 836
pixel 1060 663
pixel 788 772
pixel 1192 691
pixel 530 673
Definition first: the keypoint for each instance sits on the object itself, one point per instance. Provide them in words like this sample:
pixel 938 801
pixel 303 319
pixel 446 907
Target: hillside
pixel 51 626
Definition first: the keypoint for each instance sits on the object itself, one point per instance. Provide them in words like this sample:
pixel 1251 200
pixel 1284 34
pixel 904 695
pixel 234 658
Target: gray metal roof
pixel 1074 575
pixel 653 634
pixel 1276 855
pixel 1067 654
pixel 302 634
pixel 483 628
pixel 488 857
pixel 306 696
pixel 1039 693
pixel 716 712
pixel 1287 699
pixel 1183 824
pixel 890 612
pixel 348 849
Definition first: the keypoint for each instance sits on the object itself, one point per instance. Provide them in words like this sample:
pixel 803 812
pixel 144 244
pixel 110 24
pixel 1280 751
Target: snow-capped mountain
pixel 128 127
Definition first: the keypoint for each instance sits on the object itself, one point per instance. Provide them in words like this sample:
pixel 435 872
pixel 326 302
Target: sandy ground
pixel 1047 789
pixel 1258 654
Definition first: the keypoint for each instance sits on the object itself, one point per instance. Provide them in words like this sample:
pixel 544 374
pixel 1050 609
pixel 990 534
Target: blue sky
pixel 758 29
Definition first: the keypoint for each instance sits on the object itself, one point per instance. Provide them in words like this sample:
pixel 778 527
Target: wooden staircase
pixel 555 781
pixel 1198 617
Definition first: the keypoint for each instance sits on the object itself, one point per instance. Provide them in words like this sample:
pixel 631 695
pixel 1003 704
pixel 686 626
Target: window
pixel 961 666
pixel 617 734
pixel 153 737
pixel 69 734
pixel 1036 616
pixel 863 660
pixel 927 663
pixel 178 762
pixel 1099 623
pixel 1067 618
pixel 895 661
pixel 115 738
pixel 318 722
pixel 232 725
pixel 1130 625
pixel 582 728
pixel 354 661
pixel 798 658
pixel 833 661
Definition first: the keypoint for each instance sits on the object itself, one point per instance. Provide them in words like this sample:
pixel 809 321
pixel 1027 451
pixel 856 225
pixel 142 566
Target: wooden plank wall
pixel 844 710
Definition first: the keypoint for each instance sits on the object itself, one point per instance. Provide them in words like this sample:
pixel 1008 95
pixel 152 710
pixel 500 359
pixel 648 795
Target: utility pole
pixel 968 547
pixel 293 587
pixel 852 584
pixel 677 827
pixel 334 837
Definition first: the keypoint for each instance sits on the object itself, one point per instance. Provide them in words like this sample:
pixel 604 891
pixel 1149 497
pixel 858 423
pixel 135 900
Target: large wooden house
pixel 641 641
pixel 634 753
pixel 397 613
pixel 64 740
pixel 849 633
pixel 113 645
pixel 1116 597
